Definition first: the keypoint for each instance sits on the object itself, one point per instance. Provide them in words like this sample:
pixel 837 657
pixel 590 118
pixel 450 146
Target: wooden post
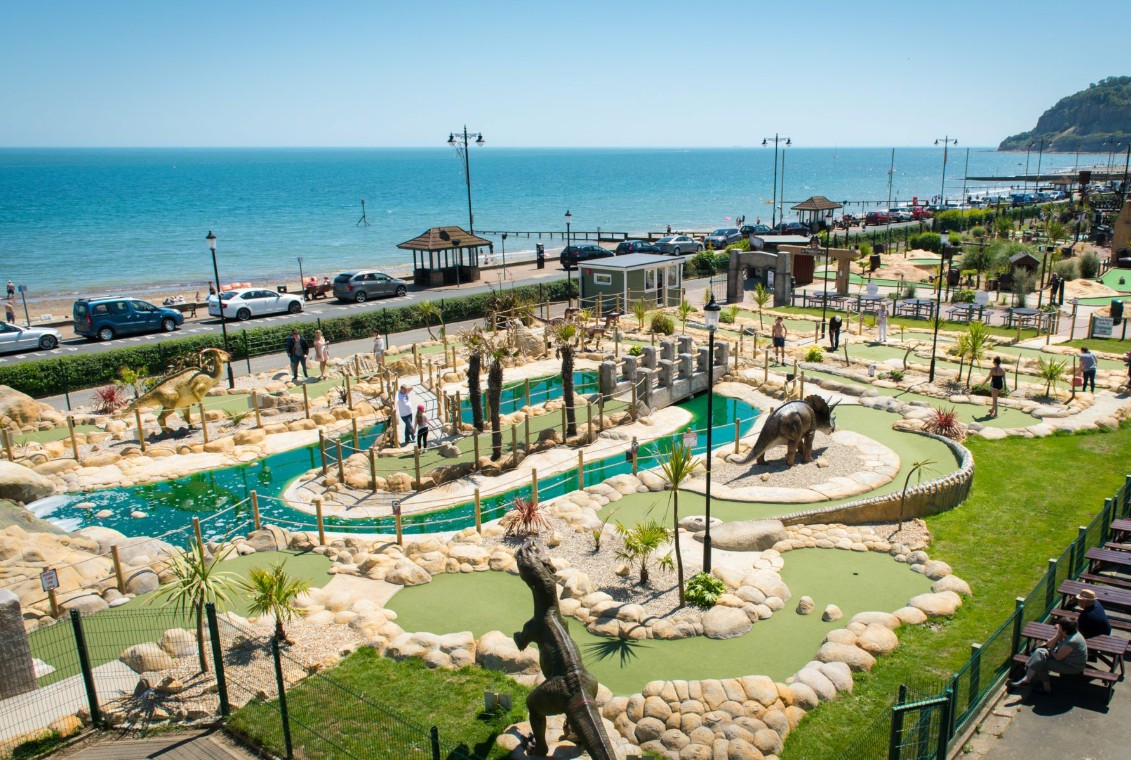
pixel 54 599
pixel 255 406
pixel 526 388
pixel 321 525
pixel 601 412
pixel 458 419
pixel 766 367
pixel 1072 328
pixel 393 418
pixel 802 376
pixel 633 410
pixel 341 461
pixel 356 436
pixel 357 366
pixel 204 422
pixel 740 346
pixel 737 435
pixel 514 444
pixel 526 433
pixel 255 510
pixel 349 396
pixel 816 334
pixel 71 430
pixel 416 465
pixel 738 353
pixel 475 440
pixel 306 401
pixel 564 426
pixel 534 485
pixel 415 355
pixel 140 430
pixel 121 579
pixel 635 456
pixel 400 533
pixel 197 533
pixel 8 444
pixel 589 417
pixel 322 450
pixel 580 469
pixel 600 312
pixel 1016 369
pixel 373 470
pixel 478 514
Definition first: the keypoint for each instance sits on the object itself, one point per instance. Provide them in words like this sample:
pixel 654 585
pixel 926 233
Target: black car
pixel 637 246
pixel 572 255
pixel 756 229
pixel 794 228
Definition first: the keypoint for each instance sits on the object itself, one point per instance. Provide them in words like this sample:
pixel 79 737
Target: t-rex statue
pixel 795 424
pixel 184 388
pixel 569 688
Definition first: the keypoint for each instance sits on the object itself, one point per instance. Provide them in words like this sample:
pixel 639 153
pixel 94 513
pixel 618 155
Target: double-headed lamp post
pixel 459 141
pixel 569 281
pixel 711 317
pixel 946 143
pixel 766 141
pixel 220 306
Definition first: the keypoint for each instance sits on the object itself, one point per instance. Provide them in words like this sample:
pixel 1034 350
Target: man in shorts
pixel 779 333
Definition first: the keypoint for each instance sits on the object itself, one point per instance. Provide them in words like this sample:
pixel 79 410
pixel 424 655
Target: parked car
pixel 920 213
pixel 722 237
pixel 756 229
pixel 361 286
pixel 677 245
pixel 572 255
pixel 900 214
pixel 107 318
pixel 245 303
pixel 637 246
pixel 793 228
pixel 15 338
pixel 875 218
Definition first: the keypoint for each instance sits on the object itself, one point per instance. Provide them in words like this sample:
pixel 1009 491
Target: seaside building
pixel 655 279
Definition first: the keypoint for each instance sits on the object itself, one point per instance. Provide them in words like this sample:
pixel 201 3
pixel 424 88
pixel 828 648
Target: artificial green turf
pixel 1028 498
pixel 54 434
pixel 776 647
pixel 146 618
pixel 1109 345
pixel 373 707
pixel 1118 279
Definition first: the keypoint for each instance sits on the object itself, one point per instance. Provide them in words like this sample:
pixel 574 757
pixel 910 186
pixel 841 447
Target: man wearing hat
pixel 404 411
pixel 1093 619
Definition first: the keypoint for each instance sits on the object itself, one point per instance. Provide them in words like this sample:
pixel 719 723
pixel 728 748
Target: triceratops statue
pixel 794 423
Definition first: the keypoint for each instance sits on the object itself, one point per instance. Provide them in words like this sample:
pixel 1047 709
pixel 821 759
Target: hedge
pixel 48 377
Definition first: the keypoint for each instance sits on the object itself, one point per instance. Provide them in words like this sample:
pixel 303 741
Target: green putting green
pixel 146 618
pixel 1118 279
pixel 47 436
pixel 854 581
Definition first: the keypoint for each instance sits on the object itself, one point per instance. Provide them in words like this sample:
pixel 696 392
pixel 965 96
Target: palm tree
pixel 430 312
pixel 1051 371
pixel 473 339
pixel 640 311
pixel 977 341
pixel 684 311
pixel 762 296
pixel 917 469
pixel 273 592
pixel 495 351
pixel 566 337
pixel 197 580
pixel 640 543
pixel 677 467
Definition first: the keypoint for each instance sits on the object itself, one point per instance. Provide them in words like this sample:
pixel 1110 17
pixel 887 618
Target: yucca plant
pixel 684 311
pixel 977 341
pixel 109 399
pixel 945 422
pixel 273 592
pixel 640 311
pixel 640 543
pixel 566 339
pixel 429 311
pixel 761 296
pixel 197 580
pixel 473 340
pixel 677 465
pixel 1051 371
pixel 525 519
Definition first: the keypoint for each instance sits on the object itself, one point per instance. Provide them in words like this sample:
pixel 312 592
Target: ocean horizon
pixel 76 221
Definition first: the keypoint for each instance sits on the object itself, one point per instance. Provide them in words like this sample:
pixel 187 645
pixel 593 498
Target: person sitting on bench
pixel 1066 652
pixel 1093 618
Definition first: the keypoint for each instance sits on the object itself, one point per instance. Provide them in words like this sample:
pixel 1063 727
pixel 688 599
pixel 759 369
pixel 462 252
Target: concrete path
pixel 38 709
pixel 194 745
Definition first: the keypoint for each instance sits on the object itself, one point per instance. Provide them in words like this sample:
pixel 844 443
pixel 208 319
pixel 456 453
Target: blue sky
pixel 612 73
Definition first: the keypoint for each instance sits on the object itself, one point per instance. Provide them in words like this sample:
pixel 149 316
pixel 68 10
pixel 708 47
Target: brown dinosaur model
pixel 181 390
pixel 795 424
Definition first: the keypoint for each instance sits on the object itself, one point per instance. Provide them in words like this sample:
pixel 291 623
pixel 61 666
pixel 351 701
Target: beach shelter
pixel 817 208
pixel 438 256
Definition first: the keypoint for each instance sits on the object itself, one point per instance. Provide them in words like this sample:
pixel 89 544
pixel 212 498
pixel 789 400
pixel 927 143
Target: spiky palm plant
pixel 677 465
pixel 526 519
pixel 1051 371
pixel 640 311
pixel 273 592
pixel 684 311
pixel 494 351
pixel 640 543
pixel 761 296
pixel 473 340
pixel 566 337
pixel 977 341
pixel 430 312
pixel 197 580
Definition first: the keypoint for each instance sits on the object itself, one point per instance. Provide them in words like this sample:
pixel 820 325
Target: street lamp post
pixel 825 299
pixel 711 317
pixel 504 255
pixel 946 141
pixel 569 281
pixel 766 141
pixel 220 304
pixel 459 141
pixel 301 279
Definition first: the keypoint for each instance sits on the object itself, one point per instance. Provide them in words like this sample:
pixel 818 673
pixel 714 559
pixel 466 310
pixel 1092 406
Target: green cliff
pixel 1091 120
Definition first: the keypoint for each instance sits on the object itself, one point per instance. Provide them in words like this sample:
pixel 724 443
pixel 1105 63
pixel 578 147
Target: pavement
pixel 212 744
pixel 37 709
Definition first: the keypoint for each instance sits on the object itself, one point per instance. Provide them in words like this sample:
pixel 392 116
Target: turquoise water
pixel 172 504
pixel 77 220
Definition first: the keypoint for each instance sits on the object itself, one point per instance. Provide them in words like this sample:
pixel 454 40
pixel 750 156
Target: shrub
pixel 896 375
pixel 663 324
pixel 982 389
pixel 814 354
pixel 978 232
pixel 1089 265
pixel 911 289
pixel 1067 270
pixel 636 350
pixel 729 314
pixel 865 249
pixel 525 519
pixel 109 399
pixel 963 296
pixel 704 590
pixel 945 422
pixel 702 263
pixel 926 241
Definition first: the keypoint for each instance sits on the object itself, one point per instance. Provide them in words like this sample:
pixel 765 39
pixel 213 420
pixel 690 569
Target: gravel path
pixel 841 460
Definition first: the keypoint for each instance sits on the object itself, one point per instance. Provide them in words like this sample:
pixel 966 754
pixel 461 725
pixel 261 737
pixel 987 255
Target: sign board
pixel 49 580
pixel 396 508
pixel 1101 327
pixel 22 288
pixel 690 439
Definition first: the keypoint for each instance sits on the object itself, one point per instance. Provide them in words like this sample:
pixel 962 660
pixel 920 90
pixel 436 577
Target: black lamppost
pixel 220 304
pixel 504 255
pixel 569 282
pixel 301 279
pixel 460 142
pixel 946 143
pixel 825 299
pixel 766 141
pixel 711 317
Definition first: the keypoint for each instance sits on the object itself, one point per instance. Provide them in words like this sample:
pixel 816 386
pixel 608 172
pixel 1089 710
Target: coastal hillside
pixel 1092 120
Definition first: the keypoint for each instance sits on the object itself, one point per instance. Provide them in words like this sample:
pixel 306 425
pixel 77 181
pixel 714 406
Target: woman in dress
pixel 321 352
pixel 997 383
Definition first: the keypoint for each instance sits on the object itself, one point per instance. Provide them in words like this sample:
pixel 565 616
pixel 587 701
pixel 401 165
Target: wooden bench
pixel 1107 678
pixel 321 290
pixel 1108 650
pixel 1106 580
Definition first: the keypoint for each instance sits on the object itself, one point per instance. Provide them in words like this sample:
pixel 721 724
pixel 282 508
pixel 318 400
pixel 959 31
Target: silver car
pixel 677 245
pixel 15 338
pixel 361 286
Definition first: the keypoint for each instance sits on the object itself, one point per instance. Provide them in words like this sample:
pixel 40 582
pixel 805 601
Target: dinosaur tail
pixel 765 442
pixel 586 723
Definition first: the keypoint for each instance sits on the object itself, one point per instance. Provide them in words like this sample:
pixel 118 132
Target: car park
pixel 756 229
pixel 361 286
pixel 677 245
pixel 572 255
pixel 16 338
pixel 108 318
pixel 245 303
pixel 722 237
pixel 637 246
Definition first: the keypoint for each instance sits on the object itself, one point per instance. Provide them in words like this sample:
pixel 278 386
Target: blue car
pixel 723 237
pixel 107 318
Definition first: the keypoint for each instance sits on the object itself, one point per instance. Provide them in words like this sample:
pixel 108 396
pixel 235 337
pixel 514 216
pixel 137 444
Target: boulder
pixel 911 615
pixel 22 410
pixel 698 523
pixel 408 573
pixel 877 639
pixel 143 581
pixel 86 603
pixel 748 535
pixel 839 674
pixel 853 656
pixel 952 583
pixel 725 623
pixel 146 657
pixel 178 642
pixel 22 484
pixel 940 604
pixel 496 651
pixel 805 605
pixel 770 583
pixel 831 614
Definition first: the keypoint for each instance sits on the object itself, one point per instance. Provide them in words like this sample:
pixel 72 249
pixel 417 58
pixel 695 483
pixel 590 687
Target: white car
pixel 15 338
pixel 245 303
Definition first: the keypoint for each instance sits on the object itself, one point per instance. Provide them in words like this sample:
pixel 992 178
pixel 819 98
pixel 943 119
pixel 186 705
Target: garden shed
pixel 608 284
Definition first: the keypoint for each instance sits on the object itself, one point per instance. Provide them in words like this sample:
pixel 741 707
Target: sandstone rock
pixel 941 604
pixel 821 685
pixel 877 639
pixel 748 535
pixel 648 729
pixel 22 484
pixel 853 656
pixel 770 583
pixel 831 614
pixel 142 581
pixel 952 583
pixel 935 569
pixel 496 651
pixel 805 605
pixel 761 689
pixel 803 695
pixel 86 603
pixel 146 657
pixel 911 615
pixel 407 573
pixel 883 618
pixel 250 437
pixel 399 482
pixel 725 623
pixel 178 642
pixel 839 674
pixel 66 727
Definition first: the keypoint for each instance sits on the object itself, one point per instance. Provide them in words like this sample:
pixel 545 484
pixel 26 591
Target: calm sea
pixel 92 220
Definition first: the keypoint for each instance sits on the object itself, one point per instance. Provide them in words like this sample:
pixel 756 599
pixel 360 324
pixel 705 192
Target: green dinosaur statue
pixel 184 388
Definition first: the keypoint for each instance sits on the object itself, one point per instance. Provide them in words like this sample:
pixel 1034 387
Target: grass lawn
pixel 1109 345
pixel 350 705
pixel 1028 498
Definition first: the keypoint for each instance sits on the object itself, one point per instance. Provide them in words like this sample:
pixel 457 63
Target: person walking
pixel 779 331
pixel 378 347
pixel 421 427
pixel 1088 368
pixel 321 353
pixel 297 349
pixel 404 411
pixel 11 290
pixel 834 331
pixel 996 381
pixel 1066 652
pixel 882 322
pixel 9 312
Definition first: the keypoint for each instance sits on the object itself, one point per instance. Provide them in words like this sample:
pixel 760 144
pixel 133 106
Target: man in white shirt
pixel 404 411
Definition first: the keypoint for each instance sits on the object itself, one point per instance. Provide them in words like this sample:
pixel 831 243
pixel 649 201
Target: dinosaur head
pixel 822 413
pixel 216 354
pixel 534 567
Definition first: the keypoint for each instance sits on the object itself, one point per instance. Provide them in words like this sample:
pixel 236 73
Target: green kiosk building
pixel 607 285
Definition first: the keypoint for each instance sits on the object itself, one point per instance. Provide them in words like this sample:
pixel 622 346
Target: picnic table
pixel 916 308
pixel 1120 529
pixel 868 304
pixel 1024 317
pixel 966 311
pixel 1109 651
pixel 1113 599
pixel 815 299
